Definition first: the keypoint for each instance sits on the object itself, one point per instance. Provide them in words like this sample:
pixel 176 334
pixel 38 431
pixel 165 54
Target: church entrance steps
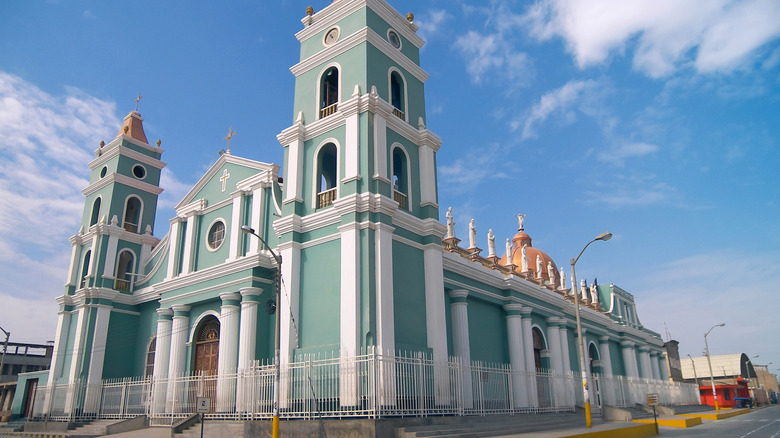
pixel 233 429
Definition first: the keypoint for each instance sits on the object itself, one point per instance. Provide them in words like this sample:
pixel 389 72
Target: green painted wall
pixel 409 298
pixel 487 332
pixel 320 297
pixel 121 346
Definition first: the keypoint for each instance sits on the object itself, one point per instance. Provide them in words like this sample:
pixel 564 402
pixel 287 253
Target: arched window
pixel 95 212
pixel 124 271
pixel 538 340
pixel 85 270
pixel 397 95
pixel 593 357
pixel 132 214
pixel 149 368
pixel 329 92
pixel 400 178
pixel 327 177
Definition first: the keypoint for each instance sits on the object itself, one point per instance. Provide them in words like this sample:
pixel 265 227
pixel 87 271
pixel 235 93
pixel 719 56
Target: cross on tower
pixel 230 135
pixel 224 178
pixel 137 99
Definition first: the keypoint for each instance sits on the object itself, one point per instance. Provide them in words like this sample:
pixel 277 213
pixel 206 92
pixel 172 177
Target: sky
pixel 656 120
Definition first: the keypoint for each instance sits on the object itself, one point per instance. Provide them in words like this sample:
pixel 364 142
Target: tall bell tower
pixel 114 239
pixel 360 198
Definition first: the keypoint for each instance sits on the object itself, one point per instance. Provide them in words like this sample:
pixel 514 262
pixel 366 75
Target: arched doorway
pixel 543 383
pixel 207 346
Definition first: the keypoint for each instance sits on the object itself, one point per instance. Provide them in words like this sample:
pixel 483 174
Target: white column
pixel 554 347
pixel 58 355
pixel 566 363
pixel 162 351
pixel 173 249
pixel 228 351
pixel 247 340
pixel 349 316
pixel 351 146
pixel 514 331
pixel 654 366
pixel 436 322
pixel 380 147
pixel 96 359
pixel 294 178
pixel 644 357
pixel 256 221
pixel 77 354
pixel 607 387
pixel 460 341
pixel 385 313
pixel 235 227
pixel 108 268
pixel 427 176
pixel 178 357
pixel 530 364
pixel 629 359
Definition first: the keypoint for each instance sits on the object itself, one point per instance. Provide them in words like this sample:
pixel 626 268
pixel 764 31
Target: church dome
pixel 522 238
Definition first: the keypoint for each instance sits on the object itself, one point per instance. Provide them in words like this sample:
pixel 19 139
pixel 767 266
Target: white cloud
pixel 35 316
pixel 560 100
pixel 467 172
pixel 624 151
pixel 630 190
pixel 711 35
pixel 492 54
pixel 431 22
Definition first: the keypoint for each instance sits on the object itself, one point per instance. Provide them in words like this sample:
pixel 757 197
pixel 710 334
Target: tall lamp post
pixel 755 383
pixel 709 363
pixel 580 343
pixel 5 348
pixel 695 377
pixel 277 365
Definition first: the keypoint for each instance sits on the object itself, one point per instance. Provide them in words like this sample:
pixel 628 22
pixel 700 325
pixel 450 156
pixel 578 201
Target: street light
pixel 277 366
pixel 695 377
pixel 5 348
pixel 580 342
pixel 755 383
pixel 709 362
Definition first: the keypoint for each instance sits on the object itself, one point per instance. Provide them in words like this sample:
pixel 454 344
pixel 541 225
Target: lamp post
pixel 5 348
pixel 277 365
pixel 755 383
pixel 580 342
pixel 695 377
pixel 709 363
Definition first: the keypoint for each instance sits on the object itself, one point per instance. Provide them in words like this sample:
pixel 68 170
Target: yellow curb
pixel 638 431
pixel 720 416
pixel 677 421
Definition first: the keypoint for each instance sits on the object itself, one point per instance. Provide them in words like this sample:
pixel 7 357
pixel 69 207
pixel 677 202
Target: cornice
pixel 121 179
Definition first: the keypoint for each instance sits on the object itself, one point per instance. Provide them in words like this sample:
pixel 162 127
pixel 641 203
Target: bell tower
pixel 360 198
pixel 114 239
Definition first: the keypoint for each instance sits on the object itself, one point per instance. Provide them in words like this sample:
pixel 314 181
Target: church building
pixel 382 309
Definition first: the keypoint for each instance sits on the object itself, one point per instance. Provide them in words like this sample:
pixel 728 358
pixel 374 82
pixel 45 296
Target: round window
pixel 216 235
pixel 103 171
pixel 139 171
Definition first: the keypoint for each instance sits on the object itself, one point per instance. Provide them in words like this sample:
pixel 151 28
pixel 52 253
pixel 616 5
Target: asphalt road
pixel 761 423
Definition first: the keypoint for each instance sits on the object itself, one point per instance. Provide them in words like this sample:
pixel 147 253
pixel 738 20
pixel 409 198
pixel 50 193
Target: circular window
pixel 394 39
pixel 216 235
pixel 103 171
pixel 139 171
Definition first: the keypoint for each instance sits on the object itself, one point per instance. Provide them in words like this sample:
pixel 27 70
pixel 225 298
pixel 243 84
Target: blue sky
pixel 656 120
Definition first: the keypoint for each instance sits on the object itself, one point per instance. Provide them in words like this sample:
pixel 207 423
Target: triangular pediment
pixel 224 177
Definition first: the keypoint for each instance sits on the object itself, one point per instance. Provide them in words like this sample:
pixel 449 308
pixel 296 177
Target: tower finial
pixel 137 100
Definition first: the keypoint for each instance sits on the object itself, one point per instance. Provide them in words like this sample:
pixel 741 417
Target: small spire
pixel 137 100
pixel 133 127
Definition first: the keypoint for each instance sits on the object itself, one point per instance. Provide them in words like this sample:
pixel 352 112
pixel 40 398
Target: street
pixel 761 423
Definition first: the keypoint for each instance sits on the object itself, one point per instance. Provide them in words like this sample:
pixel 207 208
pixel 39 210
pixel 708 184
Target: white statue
pixel 538 266
pixel 583 289
pixel 472 235
pixel 594 293
pixel 551 272
pixel 491 243
pixel 509 260
pixel 450 223
pixel 563 279
pixel 524 266
pixel 520 220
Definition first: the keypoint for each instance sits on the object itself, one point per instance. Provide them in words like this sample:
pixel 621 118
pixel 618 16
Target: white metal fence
pixel 370 385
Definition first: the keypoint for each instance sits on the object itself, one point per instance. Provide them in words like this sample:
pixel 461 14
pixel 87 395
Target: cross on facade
pixel 137 99
pixel 224 178
pixel 230 135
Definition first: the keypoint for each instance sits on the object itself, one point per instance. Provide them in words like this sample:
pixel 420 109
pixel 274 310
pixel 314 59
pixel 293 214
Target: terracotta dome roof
pixel 134 127
pixel 520 239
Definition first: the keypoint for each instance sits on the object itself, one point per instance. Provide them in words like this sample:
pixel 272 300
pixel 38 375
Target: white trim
pixel 325 34
pixel 409 198
pixel 139 165
pixel 139 228
pixel 108 153
pixel 400 40
pixel 208 234
pixel 194 328
pixel 318 88
pixel 121 179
